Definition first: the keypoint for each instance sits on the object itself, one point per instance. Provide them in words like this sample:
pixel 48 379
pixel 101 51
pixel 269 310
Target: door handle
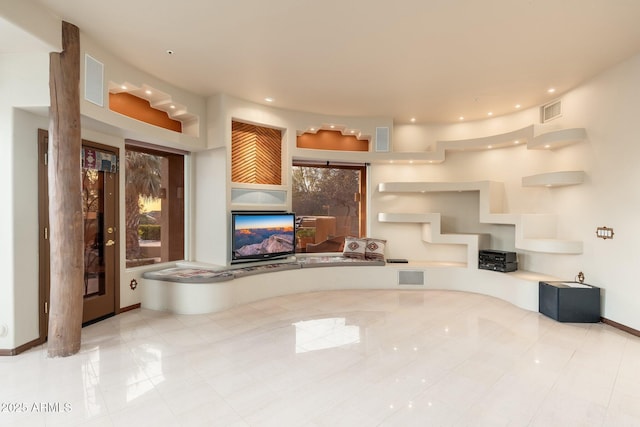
pixel 110 243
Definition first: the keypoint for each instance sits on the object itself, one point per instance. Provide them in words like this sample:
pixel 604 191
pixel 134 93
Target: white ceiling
pixel 14 39
pixel 434 60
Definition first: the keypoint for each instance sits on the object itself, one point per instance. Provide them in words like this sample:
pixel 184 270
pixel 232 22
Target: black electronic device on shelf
pixel 494 260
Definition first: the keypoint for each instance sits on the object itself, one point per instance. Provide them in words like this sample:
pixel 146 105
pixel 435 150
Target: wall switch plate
pixel 604 233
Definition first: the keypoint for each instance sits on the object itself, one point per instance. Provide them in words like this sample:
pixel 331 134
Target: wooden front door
pixel 100 236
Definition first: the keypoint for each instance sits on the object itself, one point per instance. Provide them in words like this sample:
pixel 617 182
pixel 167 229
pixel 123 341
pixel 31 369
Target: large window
pixel 154 195
pixel 330 202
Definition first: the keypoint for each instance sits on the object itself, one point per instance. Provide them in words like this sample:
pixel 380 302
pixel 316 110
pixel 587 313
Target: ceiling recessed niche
pixel 335 138
pixel 152 106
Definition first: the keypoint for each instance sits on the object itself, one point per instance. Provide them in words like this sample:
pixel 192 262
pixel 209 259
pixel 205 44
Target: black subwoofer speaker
pixel 569 301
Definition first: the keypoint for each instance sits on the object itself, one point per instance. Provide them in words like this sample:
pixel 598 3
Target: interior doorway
pixel 100 219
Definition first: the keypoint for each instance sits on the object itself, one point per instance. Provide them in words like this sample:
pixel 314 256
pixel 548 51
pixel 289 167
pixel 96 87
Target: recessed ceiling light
pixel 547 146
pixel 516 142
pixel 353 131
pixel 518 105
pixel 148 92
pixel 268 99
pixel 172 106
pixel 413 119
pixel 490 147
pixel 551 90
pixel 490 113
pixel 123 87
pixel 461 118
pixel 312 129
pixel 332 126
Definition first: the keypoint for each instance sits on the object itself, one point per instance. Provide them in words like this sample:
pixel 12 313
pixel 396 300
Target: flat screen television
pixel 262 235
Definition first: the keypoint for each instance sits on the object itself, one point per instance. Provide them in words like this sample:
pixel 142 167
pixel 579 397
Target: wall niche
pixel 256 154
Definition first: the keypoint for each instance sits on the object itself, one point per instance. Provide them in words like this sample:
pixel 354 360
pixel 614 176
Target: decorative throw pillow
pixel 354 247
pixel 375 249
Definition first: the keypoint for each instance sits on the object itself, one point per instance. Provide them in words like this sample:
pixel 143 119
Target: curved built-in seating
pixel 533 232
pixel 161 293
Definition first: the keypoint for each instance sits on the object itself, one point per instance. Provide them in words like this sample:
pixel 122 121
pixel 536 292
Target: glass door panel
pixel 93 213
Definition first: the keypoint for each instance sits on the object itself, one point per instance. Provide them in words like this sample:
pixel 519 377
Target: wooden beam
pixel 65 198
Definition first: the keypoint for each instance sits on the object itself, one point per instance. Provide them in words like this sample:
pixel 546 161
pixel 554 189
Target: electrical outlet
pixel 604 233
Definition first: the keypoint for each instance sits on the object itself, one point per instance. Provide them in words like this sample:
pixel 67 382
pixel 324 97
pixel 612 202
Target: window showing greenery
pixel 154 206
pixel 329 201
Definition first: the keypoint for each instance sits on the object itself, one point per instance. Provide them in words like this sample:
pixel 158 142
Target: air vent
pixel 382 139
pixel 93 80
pixel 550 111
pixel 411 277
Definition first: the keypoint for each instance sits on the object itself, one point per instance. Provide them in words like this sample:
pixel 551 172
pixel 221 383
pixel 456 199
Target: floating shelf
pixel 554 179
pixel 557 139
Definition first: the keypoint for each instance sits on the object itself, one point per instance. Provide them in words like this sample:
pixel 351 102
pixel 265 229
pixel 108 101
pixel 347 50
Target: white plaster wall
pixel 24 82
pixel 26 230
pixel 608 107
pixel 222 110
pixel 7 323
pixel 120 72
pixel 210 214
pixel 35 21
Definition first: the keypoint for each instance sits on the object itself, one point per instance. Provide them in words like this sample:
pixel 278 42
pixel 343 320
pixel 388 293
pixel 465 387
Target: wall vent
pixel 93 80
pixel 411 277
pixel 382 140
pixel 550 111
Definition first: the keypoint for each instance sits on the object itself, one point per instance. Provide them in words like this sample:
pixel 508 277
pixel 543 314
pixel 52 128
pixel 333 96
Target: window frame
pixel 173 234
pixel 363 168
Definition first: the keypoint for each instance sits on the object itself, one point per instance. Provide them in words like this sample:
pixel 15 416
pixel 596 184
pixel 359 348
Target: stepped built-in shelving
pixel 533 232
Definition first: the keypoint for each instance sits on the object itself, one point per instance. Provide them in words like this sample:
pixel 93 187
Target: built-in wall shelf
pixel 533 232
pixel 554 179
pixel 432 233
pixel 259 197
pixel 558 139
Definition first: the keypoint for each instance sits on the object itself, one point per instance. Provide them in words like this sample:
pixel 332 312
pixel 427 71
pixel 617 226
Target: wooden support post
pixel 65 198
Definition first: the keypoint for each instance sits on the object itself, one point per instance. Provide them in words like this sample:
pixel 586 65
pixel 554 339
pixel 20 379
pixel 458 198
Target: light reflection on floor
pixel 336 358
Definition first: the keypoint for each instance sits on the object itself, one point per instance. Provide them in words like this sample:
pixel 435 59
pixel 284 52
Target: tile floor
pixel 342 358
